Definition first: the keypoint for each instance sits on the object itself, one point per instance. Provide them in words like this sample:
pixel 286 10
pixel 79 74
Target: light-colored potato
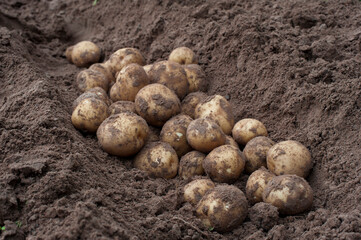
pixel 158 159
pixel 156 104
pixel 190 165
pixel 183 55
pixel 89 114
pixel 88 79
pixel 191 101
pixel 68 53
pixel 85 53
pixel 246 129
pixel 291 194
pixel 123 134
pixel 224 164
pixel 204 135
pixel 231 141
pixel 289 157
pixel 170 74
pixel 123 57
pixel 255 152
pixel 219 109
pixel 196 78
pixel 105 70
pixel 96 92
pixel 114 92
pixel 147 68
pixel 223 208
pixel 256 183
pixel 195 190
pixel 122 106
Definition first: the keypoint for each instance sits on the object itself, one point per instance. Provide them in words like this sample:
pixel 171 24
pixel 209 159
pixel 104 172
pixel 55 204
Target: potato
pixel 256 183
pixel 158 159
pixel 174 132
pixel 170 74
pixel 256 152
pixel 123 57
pixel 183 55
pixel 88 79
pixel 217 108
pixel 195 190
pixel 223 208
pixel 224 164
pixel 96 92
pixel 196 78
pixel 89 114
pixel 68 53
pixel 204 135
pixel 291 194
pixel 147 68
pixel 121 106
pixel 85 53
pixel 232 142
pixel 190 102
pixel 289 157
pixel 105 70
pixel 156 104
pixel 114 92
pixel 123 134
pixel 246 129
pixel 190 165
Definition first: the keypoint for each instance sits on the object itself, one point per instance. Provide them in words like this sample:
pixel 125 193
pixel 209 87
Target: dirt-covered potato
pixel 88 79
pixel 68 53
pixel 224 164
pixel 223 208
pixel 147 68
pixel 96 92
pixel 196 78
pixel 89 114
pixel 124 57
pixel 190 165
pixel 170 74
pixel 289 157
pixel 246 129
pixel 174 132
pixel 84 53
pixel 204 135
pixel 231 141
pixel 158 159
pixel 191 101
pixel 291 194
pixel 123 134
pixel 217 108
pixel 183 55
pixel 156 104
pixel 256 183
pixel 255 152
pixel 195 190
pixel 121 106
pixel 105 69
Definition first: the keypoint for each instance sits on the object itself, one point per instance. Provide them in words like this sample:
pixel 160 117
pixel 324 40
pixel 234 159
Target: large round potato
pixel 256 152
pixel 88 79
pixel 105 70
pixel 183 55
pixel 96 92
pixel 156 104
pixel 122 106
pixel 256 183
pixel 222 208
pixel 195 190
pixel 291 194
pixel 158 159
pixel 84 53
pixel 196 78
pixel 190 102
pixel 289 157
pixel 124 57
pixel 246 129
pixel 123 134
pixel 217 108
pixel 190 165
pixel 224 164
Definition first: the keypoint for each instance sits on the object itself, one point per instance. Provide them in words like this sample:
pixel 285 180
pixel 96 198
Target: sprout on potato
pixel 256 183
pixel 256 152
pixel 190 165
pixel 183 55
pixel 122 106
pixel 88 79
pixel 196 78
pixel 195 190
pixel 248 128
pixel 191 101
pixel 83 54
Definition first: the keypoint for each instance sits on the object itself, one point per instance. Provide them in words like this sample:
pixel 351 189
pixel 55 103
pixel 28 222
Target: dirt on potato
pixel 294 65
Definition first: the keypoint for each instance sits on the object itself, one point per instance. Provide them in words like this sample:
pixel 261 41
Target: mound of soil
pixel 294 65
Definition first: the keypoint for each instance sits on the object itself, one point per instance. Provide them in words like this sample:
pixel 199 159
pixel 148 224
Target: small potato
pixel 190 165
pixel 196 78
pixel 204 135
pixel 289 157
pixel 170 74
pixel 123 134
pixel 191 101
pixel 156 104
pixel 256 152
pixel 123 57
pixel 256 183
pixel 223 208
pixel 96 92
pixel 68 53
pixel 158 159
pixel 232 142
pixel 122 106
pixel 85 53
pixel 217 108
pixel 105 70
pixel 291 194
pixel 183 55
pixel 246 129
pixel 147 68
pixel 88 79
pixel 224 164
pixel 114 92
pixel 89 114
pixel 174 132
pixel 195 190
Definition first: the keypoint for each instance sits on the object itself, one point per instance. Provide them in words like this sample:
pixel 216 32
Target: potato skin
pixel 223 208
pixel 123 134
pixel 291 194
pixel 85 53
pixel 121 106
pixel 68 53
pixel 246 129
pixel 195 190
pixel 255 152
pixel 96 92
pixel 123 57
pixel 256 184
pixel 183 55
pixel 158 159
pixel 147 68
pixel 289 157
pixel 105 70
pixel 191 101
pixel 88 79
pixel 190 165
pixel 196 78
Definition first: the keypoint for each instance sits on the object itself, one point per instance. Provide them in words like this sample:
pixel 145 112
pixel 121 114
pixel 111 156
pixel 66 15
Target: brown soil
pixel 294 65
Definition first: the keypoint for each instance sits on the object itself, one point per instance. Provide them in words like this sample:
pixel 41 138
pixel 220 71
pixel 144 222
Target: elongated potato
pixel 246 129
pixel 196 78
pixel 256 184
pixel 88 79
pixel 123 57
pixel 84 53
pixel 256 152
pixel 195 190
pixel 191 101
pixel 190 165
pixel 183 55
pixel 122 106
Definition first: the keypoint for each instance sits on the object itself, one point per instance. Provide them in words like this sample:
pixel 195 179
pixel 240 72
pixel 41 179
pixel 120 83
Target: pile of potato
pixel 160 114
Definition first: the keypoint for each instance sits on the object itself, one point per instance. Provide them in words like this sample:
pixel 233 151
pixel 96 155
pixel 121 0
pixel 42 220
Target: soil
pixel 294 65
